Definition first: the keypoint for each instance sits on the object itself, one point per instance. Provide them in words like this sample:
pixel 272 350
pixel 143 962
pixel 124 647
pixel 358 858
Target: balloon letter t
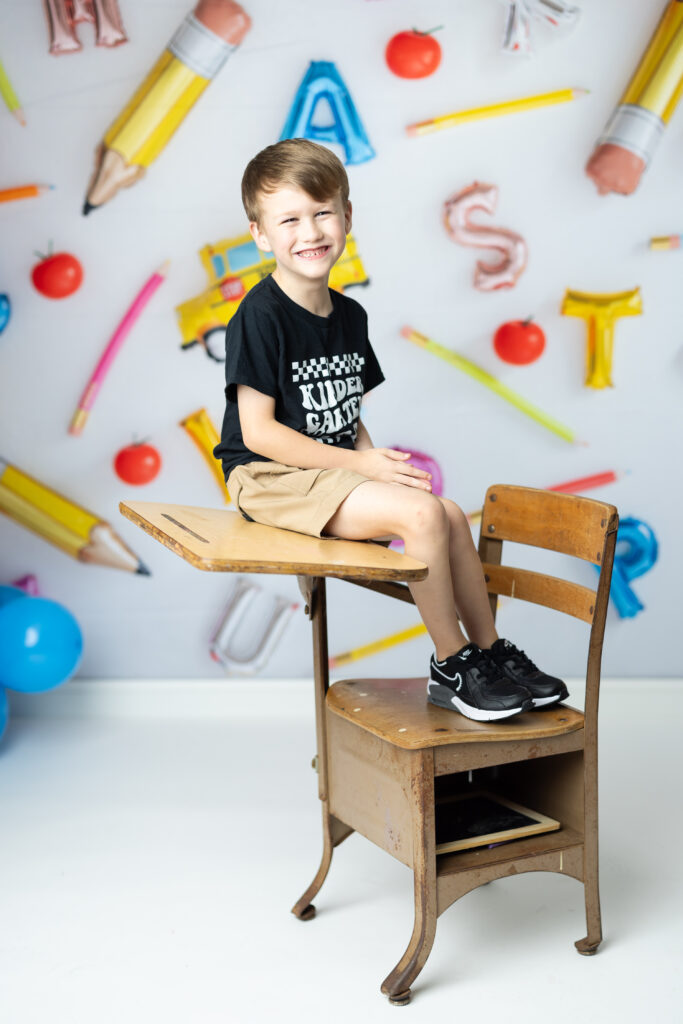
pixel 600 313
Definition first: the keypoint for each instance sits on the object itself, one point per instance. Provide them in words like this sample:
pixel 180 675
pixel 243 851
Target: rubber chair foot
pixel 586 948
pixel 400 998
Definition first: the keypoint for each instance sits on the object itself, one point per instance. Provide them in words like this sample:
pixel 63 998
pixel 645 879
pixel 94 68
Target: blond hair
pixel 298 162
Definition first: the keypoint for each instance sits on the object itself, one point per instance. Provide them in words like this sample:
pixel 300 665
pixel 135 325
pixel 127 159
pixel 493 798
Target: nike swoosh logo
pixel 457 678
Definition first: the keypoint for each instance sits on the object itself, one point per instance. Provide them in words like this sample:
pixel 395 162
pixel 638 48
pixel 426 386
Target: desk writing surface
pixel 220 540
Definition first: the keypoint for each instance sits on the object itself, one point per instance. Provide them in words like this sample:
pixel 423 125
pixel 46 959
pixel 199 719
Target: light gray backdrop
pixel 159 627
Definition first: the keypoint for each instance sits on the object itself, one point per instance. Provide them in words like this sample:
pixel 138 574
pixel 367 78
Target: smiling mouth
pixel 313 254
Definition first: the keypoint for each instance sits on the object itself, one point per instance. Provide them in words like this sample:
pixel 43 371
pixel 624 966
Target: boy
pixel 296 454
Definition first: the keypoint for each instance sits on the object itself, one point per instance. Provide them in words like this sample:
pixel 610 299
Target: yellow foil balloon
pixel 601 313
pixel 202 431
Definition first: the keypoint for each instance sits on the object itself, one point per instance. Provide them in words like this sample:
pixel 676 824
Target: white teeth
pixel 308 253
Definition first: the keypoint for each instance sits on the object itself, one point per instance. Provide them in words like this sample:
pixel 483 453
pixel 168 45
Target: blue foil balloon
pixel 5 311
pixel 322 81
pixel 40 644
pixel 635 555
pixel 4 711
pixel 9 593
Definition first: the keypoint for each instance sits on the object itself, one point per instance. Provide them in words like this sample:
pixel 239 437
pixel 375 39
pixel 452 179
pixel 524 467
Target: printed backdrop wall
pixel 160 625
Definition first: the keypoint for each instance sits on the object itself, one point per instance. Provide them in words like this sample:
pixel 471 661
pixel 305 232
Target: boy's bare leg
pixel 469 587
pixel 374 509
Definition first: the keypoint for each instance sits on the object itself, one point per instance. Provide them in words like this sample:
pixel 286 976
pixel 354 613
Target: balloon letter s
pixel 512 247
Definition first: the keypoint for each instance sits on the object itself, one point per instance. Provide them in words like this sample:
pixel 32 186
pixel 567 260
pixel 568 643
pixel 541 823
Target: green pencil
pixel 10 97
pixel 489 381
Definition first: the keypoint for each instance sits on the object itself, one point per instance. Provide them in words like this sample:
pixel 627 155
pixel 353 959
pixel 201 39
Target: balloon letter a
pixel 322 81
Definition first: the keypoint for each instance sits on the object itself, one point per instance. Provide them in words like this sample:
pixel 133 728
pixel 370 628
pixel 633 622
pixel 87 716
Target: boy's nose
pixel 312 229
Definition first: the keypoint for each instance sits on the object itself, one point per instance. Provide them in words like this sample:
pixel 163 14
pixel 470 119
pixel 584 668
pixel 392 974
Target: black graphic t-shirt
pixel 316 368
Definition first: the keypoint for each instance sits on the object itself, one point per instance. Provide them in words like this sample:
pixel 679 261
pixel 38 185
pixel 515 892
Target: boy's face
pixel 306 237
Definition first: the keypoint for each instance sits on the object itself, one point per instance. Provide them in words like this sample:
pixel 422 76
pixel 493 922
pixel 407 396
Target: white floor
pixel 148 863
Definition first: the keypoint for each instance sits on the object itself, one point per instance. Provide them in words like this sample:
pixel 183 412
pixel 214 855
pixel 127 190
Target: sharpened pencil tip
pixel 142 570
pixel 87 207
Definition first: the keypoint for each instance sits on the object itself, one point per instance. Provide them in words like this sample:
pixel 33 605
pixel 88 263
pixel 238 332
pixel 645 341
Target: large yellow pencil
pixel 377 645
pixel 62 522
pixel 632 134
pixel 470 368
pixel 546 99
pixel 195 54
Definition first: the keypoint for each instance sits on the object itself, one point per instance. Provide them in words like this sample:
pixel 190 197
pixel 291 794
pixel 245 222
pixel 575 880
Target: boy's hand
pixel 391 467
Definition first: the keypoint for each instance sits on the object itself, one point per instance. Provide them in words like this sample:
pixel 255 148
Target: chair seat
pixel 397 710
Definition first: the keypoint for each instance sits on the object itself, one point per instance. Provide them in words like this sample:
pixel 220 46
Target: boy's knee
pixel 456 516
pixel 425 515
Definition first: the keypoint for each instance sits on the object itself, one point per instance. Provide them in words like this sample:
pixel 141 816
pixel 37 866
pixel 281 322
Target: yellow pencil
pixel 61 522
pixel 546 99
pixel 377 645
pixel 10 97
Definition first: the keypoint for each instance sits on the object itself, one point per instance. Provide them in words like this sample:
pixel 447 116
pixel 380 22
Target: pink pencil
pixel 585 483
pixel 117 339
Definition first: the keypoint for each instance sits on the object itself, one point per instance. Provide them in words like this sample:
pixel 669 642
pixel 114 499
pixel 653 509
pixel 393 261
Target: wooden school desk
pixel 389 763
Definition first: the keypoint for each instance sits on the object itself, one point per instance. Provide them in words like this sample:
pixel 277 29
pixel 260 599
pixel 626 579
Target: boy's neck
pixel 314 296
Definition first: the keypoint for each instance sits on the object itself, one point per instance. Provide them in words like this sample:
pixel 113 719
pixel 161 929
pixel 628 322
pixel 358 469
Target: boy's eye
pixel 323 213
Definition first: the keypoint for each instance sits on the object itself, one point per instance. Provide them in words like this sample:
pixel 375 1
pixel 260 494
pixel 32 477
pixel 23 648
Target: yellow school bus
pixel 233 266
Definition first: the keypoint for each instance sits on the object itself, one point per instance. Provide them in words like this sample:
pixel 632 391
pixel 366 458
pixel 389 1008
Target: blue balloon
pixel 4 711
pixel 9 593
pixel 322 81
pixel 5 311
pixel 40 645
pixel 635 555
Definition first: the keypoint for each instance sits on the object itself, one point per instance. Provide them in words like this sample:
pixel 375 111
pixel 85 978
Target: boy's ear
pixel 347 217
pixel 258 236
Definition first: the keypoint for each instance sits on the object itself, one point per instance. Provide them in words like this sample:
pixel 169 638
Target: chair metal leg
pixel 397 984
pixel 334 833
pixel 589 945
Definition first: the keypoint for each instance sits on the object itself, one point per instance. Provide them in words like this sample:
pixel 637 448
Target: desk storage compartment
pixel 551 786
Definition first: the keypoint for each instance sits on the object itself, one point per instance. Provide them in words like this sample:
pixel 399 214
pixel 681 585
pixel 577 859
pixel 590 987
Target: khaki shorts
pixel 303 500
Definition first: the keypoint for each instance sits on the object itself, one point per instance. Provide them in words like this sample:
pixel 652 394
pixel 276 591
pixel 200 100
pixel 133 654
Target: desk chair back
pixel 565 523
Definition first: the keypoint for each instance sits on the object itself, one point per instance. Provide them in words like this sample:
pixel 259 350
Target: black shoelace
pixel 483 661
pixel 521 660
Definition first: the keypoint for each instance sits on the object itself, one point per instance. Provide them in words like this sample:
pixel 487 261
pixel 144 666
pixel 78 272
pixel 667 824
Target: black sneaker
pixel 520 669
pixel 471 683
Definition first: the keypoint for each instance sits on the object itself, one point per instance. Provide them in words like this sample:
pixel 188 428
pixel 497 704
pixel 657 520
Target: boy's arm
pixel 264 435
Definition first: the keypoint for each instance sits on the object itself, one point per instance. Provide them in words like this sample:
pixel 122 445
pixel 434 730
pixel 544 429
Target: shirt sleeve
pixel 373 371
pixel 251 353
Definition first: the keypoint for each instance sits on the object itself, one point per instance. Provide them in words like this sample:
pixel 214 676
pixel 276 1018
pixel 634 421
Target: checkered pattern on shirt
pixel 337 366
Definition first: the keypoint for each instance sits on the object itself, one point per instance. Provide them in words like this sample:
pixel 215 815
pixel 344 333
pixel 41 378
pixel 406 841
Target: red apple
pixel 57 275
pixel 519 341
pixel 138 463
pixel 413 54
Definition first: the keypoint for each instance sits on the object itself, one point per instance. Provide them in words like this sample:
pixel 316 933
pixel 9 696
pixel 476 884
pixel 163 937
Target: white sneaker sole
pixel 540 702
pixel 454 703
